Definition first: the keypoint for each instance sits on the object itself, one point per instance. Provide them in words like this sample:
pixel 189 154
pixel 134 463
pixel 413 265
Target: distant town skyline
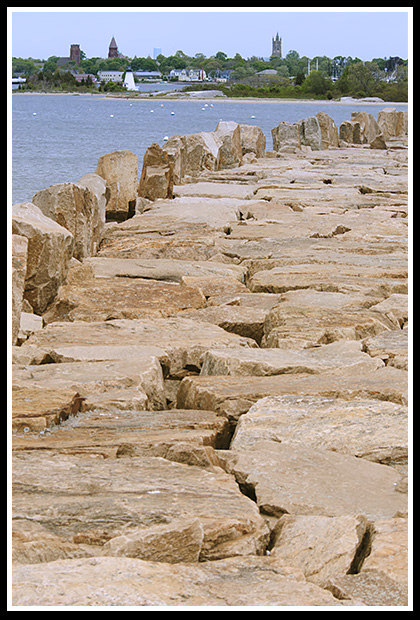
pixel 362 33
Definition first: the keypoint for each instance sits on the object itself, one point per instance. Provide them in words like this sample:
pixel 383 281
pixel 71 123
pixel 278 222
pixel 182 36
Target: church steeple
pixel 113 49
pixel 276 46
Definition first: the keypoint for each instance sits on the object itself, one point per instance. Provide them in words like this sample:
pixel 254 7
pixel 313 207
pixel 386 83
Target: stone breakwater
pixel 209 393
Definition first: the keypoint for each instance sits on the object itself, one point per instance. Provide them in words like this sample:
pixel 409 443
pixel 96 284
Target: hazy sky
pixel 350 31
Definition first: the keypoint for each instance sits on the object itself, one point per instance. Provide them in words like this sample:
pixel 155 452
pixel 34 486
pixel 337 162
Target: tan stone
pixel 230 151
pixel 115 497
pixel 35 408
pixel 97 299
pixel 329 130
pixel 19 254
pixel 232 396
pixel 389 552
pixel 332 423
pixel 182 341
pixel 287 478
pixel 184 436
pixel 50 248
pixel 76 208
pixel 120 170
pixel 320 546
pixel 232 582
pixel 156 179
pixel 252 140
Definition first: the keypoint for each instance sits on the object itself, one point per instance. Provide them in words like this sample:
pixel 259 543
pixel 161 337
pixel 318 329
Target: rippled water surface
pixel 59 138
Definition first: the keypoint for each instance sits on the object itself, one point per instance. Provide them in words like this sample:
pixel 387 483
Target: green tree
pixel 316 83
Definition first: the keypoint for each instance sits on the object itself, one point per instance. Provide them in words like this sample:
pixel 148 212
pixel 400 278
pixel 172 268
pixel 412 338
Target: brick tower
pixel 75 53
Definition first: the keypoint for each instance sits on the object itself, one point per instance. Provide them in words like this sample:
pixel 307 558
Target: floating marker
pixel 172 113
pixel 111 116
pixel 252 116
pixel 152 110
pixel 33 113
pixel 166 138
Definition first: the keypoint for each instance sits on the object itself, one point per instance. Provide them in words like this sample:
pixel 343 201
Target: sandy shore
pixel 219 98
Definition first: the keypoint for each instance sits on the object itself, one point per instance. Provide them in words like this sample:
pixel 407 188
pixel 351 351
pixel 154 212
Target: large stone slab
pixel 265 362
pixel 287 478
pixel 89 298
pixel 209 189
pixel 233 582
pixel 390 346
pixel 120 170
pixel 136 382
pixel 180 342
pixel 178 435
pixel 91 501
pixel 171 270
pixel 332 423
pixel 233 396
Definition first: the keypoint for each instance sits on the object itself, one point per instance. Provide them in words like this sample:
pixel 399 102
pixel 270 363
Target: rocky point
pixel 210 373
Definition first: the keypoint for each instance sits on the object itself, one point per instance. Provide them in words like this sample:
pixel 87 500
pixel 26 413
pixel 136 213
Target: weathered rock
pixel 232 396
pixel 99 187
pixel 100 499
pixel 368 125
pixel 351 132
pixel 182 341
pixel 19 253
pixel 244 321
pixel 215 190
pixel 120 170
pixel 332 423
pixel 156 179
pixel 50 248
pixel 36 408
pixel 169 270
pixel 290 479
pixel 252 140
pixel 229 582
pixel 230 151
pixel 370 588
pixel 76 208
pixel 286 135
pixel 392 122
pixel 322 547
pixel 378 142
pixel 134 382
pixel 329 130
pixel 267 362
pixel 390 346
pixel 193 153
pixel 310 133
pixel 389 549
pixel 99 299
pixel 184 436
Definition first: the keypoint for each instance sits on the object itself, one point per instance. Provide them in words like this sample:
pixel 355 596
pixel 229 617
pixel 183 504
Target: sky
pixel 365 33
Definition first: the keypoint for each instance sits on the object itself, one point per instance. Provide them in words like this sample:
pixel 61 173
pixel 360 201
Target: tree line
pixel 294 76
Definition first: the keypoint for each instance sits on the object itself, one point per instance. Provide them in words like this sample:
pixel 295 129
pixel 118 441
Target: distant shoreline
pixel 218 99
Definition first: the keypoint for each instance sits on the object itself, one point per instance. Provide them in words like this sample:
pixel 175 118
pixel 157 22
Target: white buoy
pixel 33 113
pixel 152 110
pixel 111 116
pixel 172 113
pixel 252 116
pixel 166 138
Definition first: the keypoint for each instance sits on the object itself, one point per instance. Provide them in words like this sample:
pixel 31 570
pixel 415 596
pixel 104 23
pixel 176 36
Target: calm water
pixel 59 138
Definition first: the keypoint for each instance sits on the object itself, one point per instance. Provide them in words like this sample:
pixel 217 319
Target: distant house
pixel 110 76
pixel 188 75
pixel 148 75
pixel 80 77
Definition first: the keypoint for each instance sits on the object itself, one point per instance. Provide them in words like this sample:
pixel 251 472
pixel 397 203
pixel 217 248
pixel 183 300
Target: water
pixel 59 138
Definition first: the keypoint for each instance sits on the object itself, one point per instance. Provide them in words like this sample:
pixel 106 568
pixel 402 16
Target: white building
pixel 188 75
pixel 110 76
